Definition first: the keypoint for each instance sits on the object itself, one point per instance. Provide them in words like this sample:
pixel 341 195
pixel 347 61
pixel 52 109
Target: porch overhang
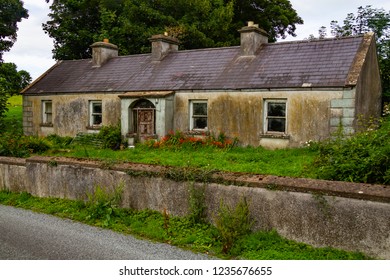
pixel 146 94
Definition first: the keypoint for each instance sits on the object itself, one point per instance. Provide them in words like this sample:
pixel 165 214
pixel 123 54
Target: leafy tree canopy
pixel 368 19
pixel 11 12
pixel 76 24
pixel 277 17
pixel 13 81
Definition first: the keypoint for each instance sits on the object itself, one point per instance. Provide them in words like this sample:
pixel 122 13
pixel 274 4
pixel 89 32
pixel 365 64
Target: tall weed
pixel 233 223
pixel 103 203
pixel 197 204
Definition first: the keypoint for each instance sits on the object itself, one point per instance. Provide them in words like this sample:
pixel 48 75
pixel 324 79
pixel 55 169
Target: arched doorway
pixel 143 114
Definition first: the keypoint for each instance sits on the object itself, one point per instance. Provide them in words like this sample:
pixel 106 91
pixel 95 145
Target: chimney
pixel 162 45
pixel 102 52
pixel 252 37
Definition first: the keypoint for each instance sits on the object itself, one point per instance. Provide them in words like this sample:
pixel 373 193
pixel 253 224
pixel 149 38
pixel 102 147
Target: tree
pixel 11 12
pixel 369 19
pixel 3 102
pixel 75 25
pixel 277 17
pixel 13 81
pixel 72 26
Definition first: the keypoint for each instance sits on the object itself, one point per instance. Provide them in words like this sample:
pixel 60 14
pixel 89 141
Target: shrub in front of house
pixel 59 141
pixel 22 146
pixel 110 136
pixel 364 157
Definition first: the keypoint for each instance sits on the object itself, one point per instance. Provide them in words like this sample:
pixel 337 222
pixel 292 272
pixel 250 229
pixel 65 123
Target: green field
pixel 13 120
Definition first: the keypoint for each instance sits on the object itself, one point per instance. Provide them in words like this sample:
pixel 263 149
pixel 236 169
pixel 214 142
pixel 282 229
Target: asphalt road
pixel 28 235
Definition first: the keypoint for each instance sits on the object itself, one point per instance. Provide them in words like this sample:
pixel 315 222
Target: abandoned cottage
pixel 271 94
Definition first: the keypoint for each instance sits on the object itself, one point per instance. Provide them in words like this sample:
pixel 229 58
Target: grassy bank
pixel 289 162
pixel 184 232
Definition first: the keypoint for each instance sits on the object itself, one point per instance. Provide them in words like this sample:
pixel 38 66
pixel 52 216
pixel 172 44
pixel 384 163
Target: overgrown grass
pixel 287 162
pixel 178 231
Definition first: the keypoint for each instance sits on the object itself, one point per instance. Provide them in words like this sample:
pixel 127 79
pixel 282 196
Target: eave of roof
pixel 138 94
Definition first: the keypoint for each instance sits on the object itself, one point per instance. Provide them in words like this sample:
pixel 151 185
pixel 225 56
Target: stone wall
pixel 354 217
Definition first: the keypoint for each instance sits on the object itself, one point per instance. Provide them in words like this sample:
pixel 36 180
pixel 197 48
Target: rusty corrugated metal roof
pixel 322 63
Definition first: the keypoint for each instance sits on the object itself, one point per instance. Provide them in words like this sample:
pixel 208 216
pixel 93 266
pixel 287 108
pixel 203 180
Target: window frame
pixel 192 117
pixel 93 115
pixel 267 118
pixel 47 116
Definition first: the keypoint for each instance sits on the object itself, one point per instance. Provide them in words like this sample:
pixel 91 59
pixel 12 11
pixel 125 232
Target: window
pixel 95 111
pixel 198 114
pixel 47 112
pixel 275 116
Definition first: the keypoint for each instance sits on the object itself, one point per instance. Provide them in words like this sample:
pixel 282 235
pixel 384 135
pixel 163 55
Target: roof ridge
pixel 181 51
pixel 318 40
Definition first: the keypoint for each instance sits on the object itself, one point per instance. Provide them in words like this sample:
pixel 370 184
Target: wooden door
pixel 145 122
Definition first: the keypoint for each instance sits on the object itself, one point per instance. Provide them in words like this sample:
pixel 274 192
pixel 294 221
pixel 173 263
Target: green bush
pixel 36 145
pixel 22 146
pixel 364 157
pixel 111 137
pixel 59 141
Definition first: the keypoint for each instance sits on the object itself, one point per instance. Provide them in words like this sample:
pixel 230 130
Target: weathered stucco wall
pixel 369 88
pixel 241 114
pixel 310 114
pixel 70 113
pixel 343 215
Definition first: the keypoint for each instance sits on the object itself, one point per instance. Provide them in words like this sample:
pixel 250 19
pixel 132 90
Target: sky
pixel 33 49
